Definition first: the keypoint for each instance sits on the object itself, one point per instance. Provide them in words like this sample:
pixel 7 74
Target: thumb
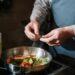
pixel 36 29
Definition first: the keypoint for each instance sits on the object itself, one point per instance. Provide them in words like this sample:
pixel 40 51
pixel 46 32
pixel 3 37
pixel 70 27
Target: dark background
pixel 14 15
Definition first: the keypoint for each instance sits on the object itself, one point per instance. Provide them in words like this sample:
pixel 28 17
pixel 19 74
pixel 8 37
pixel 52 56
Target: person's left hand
pixel 57 36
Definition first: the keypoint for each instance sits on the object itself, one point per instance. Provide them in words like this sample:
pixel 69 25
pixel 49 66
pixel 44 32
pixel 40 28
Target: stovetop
pixel 54 68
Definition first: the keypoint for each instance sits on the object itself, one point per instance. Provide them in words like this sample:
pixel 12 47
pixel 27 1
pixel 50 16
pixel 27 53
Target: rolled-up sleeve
pixel 40 10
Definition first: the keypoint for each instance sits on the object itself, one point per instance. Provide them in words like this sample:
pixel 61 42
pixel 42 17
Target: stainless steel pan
pixel 25 51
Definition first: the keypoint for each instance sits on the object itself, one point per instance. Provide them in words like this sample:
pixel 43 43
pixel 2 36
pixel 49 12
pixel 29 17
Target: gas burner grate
pixel 52 69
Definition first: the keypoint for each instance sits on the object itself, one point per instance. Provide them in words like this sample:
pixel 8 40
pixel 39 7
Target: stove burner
pixel 51 69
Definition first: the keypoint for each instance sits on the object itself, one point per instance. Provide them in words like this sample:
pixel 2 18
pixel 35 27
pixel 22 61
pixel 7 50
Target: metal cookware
pixel 26 51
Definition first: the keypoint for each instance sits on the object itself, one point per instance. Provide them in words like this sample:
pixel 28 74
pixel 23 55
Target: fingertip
pixel 36 32
pixel 40 39
pixel 45 36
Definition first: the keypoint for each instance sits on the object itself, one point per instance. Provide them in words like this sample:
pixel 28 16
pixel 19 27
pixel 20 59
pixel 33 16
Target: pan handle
pixel 14 69
pixel 3 68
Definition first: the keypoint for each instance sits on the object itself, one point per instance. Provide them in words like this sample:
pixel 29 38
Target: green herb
pixel 30 61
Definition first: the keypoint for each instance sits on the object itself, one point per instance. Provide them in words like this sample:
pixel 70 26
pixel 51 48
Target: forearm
pixel 73 28
pixel 70 29
pixel 40 10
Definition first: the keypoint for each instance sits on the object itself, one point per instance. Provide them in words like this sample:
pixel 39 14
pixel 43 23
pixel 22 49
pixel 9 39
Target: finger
pixel 30 36
pixel 28 33
pixel 53 44
pixel 36 29
pixel 44 40
pixel 37 36
pixel 56 43
pixel 51 40
pixel 47 39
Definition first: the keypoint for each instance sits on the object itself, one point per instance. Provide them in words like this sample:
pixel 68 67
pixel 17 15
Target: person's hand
pixel 57 36
pixel 32 30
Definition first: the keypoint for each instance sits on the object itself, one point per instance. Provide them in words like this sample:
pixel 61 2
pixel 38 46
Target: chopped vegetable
pixel 29 61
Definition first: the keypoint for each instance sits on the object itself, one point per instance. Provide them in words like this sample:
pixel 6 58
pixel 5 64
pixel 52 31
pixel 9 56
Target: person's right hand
pixel 32 30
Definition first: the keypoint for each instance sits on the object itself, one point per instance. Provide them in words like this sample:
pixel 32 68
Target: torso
pixel 64 12
pixel 64 15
